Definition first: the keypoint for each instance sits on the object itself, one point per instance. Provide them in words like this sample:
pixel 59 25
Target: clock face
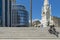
pixel 43 14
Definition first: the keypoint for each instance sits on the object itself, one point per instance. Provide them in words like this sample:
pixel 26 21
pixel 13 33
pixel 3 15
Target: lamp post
pixel 30 12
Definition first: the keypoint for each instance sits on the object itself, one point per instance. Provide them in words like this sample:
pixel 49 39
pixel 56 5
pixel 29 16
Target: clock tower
pixel 46 14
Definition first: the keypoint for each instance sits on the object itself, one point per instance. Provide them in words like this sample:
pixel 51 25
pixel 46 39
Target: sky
pixel 37 7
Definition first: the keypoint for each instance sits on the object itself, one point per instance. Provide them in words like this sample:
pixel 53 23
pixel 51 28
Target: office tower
pixel 20 16
pixel 13 1
pixel 5 12
pixel 0 12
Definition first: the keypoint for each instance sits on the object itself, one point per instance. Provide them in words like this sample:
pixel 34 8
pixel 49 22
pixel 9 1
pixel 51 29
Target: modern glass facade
pixel 0 7
pixel 5 13
pixel 6 9
pixel 10 6
pixel 8 13
pixel 21 15
pixel 0 12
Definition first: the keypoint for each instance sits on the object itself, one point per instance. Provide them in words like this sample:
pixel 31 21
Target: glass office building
pixel 5 13
pixel 20 17
pixel 0 12
pixel 0 22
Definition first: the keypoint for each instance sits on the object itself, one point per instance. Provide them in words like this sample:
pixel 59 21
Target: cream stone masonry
pixel 45 13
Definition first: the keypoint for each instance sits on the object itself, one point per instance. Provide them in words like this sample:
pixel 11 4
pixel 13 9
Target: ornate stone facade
pixel 56 21
pixel 46 12
pixel 46 16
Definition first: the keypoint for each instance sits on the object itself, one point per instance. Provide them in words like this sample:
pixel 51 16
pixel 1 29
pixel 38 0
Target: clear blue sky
pixel 37 7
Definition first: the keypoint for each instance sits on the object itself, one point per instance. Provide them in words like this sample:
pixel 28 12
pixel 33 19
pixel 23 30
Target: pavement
pixel 27 33
pixel 29 39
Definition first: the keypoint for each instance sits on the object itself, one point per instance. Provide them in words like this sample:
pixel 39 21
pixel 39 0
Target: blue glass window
pixel 1 12
pixel 6 9
pixel 10 11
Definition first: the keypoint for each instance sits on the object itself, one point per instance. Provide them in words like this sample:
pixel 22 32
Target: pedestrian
pixel 42 27
pixel 52 30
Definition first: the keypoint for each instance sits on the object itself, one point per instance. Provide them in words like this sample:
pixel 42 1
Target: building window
pixel 6 9
pixel 0 12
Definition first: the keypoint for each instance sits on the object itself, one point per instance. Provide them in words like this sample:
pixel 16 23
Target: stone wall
pixel 56 21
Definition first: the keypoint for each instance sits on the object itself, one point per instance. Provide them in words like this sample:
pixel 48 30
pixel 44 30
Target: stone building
pixel 36 23
pixel 55 20
pixel 46 13
pixel 46 16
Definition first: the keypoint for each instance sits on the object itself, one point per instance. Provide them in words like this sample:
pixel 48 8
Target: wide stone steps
pixel 26 32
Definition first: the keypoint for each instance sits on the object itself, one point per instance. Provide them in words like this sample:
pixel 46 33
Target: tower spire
pixel 46 2
pixel 46 13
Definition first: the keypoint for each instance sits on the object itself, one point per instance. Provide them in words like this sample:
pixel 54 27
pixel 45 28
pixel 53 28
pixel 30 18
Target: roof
pixel 55 17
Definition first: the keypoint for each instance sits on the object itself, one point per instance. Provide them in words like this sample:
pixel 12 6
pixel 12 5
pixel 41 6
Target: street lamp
pixel 30 12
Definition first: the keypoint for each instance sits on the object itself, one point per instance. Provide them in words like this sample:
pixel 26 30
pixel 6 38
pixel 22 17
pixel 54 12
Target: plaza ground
pixel 27 33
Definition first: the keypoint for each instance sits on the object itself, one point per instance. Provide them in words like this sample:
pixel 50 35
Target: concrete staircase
pixel 26 32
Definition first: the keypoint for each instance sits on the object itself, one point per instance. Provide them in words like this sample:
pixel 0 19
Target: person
pixel 52 30
pixel 42 27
